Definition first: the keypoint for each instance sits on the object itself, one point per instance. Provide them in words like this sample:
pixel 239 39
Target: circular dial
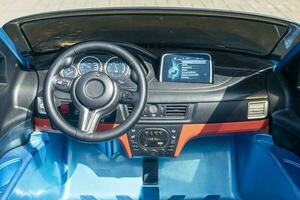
pixel 116 67
pixel 70 72
pixel 89 64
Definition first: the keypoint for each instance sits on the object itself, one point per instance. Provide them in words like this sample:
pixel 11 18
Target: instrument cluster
pixel 114 67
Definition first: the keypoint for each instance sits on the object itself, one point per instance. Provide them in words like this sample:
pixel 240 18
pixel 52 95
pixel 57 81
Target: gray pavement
pixel 287 9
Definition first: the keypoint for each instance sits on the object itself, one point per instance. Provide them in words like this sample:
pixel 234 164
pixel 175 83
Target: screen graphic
pixel 195 68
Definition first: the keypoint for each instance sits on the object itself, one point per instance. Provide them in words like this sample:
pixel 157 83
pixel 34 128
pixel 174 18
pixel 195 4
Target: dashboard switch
pixel 40 106
pixel 153 109
pixel 152 141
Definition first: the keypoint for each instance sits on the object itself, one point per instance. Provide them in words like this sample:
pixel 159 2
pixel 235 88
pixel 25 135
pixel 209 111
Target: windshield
pixel 155 30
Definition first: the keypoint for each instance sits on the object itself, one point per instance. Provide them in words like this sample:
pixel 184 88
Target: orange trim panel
pixel 41 124
pixel 190 131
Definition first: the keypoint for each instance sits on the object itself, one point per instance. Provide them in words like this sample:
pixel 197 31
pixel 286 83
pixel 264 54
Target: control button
pixel 65 108
pixel 173 131
pixel 128 96
pixel 76 112
pixel 162 109
pixel 59 82
pixel 132 137
pixel 153 153
pixel 162 152
pixel 146 110
pixel 63 84
pixel 173 142
pixel 133 130
pixel 40 106
pixel 153 109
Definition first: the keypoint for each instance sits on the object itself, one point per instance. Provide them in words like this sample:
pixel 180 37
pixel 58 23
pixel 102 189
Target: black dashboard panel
pixel 238 80
pixel 225 88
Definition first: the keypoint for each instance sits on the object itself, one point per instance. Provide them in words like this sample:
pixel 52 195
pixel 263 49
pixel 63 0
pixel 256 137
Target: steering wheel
pixel 94 94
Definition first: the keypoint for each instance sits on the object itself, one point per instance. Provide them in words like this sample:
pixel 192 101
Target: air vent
pixel 175 110
pixel 162 111
pixel 257 109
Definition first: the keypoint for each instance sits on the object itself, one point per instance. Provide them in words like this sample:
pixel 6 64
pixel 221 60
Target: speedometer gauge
pixel 116 67
pixel 89 64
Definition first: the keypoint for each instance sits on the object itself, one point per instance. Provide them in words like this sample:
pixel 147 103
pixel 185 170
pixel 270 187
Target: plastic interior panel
pixel 244 166
pixel 10 44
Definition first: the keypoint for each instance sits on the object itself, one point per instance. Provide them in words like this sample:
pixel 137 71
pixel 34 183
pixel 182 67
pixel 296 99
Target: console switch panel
pixel 152 141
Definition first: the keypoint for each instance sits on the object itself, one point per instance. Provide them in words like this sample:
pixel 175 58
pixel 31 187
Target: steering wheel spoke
pixel 129 97
pixel 62 84
pixel 88 120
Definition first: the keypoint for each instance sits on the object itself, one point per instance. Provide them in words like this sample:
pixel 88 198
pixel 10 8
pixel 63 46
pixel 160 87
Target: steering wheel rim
pixel 65 59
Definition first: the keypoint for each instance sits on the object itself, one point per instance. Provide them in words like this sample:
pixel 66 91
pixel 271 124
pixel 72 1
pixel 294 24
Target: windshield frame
pixel 15 31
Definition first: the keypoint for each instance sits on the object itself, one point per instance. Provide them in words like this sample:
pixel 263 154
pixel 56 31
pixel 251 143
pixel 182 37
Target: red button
pixel 65 108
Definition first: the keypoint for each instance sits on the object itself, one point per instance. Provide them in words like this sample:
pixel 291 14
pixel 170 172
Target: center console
pixel 157 138
pixel 149 140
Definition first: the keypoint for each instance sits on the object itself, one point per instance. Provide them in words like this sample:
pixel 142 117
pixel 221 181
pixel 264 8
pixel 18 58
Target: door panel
pixel 18 88
pixel 284 103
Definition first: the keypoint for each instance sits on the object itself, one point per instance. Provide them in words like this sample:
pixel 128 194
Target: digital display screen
pixel 190 68
pixel 148 138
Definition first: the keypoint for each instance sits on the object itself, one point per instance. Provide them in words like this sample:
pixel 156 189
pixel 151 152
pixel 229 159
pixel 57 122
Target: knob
pixel 153 109
pixel 153 153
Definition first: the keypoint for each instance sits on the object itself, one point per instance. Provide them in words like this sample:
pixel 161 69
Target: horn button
pixel 94 90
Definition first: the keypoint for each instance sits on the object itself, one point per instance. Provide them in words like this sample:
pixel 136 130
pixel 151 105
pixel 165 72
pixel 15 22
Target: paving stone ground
pixel 287 9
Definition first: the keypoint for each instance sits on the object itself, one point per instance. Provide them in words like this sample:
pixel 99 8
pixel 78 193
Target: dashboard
pixel 188 90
